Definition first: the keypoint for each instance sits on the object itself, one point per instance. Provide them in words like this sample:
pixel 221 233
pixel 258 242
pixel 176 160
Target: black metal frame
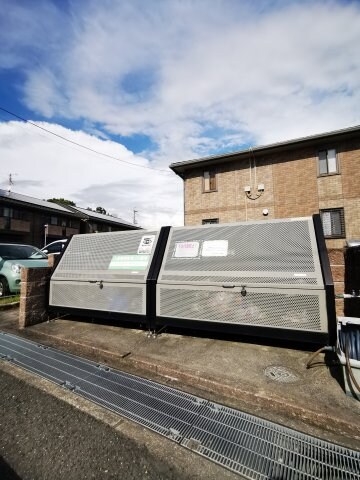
pixel 153 275
pixel 316 338
pixel 98 314
pixel 327 278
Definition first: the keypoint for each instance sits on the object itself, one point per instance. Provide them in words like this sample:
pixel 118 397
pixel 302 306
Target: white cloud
pixel 283 71
pixel 194 78
pixel 46 167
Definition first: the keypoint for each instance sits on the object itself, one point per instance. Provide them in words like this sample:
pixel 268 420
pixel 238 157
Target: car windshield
pixel 20 252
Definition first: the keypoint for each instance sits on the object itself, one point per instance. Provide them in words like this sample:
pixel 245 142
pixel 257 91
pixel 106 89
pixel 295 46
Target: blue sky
pixel 161 81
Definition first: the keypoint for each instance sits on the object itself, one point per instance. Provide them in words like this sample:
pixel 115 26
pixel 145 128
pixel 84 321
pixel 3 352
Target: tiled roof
pixel 102 217
pixel 33 201
pixel 65 209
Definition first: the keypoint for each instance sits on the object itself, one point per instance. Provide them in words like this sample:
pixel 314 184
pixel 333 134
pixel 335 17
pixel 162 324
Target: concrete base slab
pixel 266 380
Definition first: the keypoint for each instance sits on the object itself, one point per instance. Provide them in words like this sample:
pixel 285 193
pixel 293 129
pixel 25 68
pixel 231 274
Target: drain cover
pixel 281 374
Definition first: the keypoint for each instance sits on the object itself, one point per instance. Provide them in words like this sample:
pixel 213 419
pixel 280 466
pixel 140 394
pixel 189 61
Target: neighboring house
pixel 296 178
pixel 25 219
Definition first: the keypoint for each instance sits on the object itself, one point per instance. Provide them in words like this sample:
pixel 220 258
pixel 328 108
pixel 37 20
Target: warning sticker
pixel 129 262
pixel 214 248
pixel 146 245
pixel 186 249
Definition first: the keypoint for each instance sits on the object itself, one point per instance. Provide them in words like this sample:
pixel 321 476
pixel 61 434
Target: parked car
pixel 12 258
pixel 55 247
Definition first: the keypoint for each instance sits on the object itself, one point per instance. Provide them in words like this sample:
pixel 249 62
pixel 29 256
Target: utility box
pixel 261 278
pixel 104 272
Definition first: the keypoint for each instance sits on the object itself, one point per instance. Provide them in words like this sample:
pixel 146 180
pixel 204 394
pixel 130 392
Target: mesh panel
pixel 111 298
pixel 295 311
pixel 285 247
pixel 90 256
pixel 240 280
pixel 99 274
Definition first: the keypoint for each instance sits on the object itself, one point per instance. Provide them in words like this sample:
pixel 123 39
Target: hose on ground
pixel 322 349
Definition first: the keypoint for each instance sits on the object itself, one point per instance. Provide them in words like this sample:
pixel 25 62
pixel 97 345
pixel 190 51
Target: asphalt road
pixel 42 438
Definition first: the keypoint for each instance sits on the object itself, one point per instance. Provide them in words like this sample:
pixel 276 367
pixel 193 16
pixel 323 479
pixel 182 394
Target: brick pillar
pixel 337 265
pixel 34 296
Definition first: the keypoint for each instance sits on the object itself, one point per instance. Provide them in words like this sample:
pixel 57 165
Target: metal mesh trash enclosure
pixel 264 274
pixel 104 272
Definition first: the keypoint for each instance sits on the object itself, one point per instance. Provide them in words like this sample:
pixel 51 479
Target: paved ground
pixel 43 437
pixel 226 370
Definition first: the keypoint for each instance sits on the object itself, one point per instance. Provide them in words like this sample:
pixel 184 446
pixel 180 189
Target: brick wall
pixel 293 188
pixel 337 265
pixel 34 296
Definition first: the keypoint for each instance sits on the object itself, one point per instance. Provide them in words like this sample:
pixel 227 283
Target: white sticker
pixel 186 249
pixel 215 248
pixel 300 275
pixel 146 245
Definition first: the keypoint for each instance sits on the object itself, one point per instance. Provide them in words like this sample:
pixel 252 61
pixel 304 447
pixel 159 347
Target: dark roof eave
pixel 39 207
pixel 181 167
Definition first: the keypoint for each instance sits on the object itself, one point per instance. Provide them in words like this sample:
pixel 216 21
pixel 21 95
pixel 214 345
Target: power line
pixel 79 144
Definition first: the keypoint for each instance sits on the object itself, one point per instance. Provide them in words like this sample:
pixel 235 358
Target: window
pixel 327 162
pixel 208 221
pixel 53 221
pixel 12 213
pixel 209 181
pixel 333 223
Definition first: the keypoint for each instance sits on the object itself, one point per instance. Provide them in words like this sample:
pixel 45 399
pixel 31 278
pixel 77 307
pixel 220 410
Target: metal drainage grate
pixel 248 445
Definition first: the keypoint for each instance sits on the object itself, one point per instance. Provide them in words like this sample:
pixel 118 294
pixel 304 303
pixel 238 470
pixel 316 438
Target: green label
pixel 129 262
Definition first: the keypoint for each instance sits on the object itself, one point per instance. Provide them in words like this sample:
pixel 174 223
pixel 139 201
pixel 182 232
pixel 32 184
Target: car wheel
pixel 4 287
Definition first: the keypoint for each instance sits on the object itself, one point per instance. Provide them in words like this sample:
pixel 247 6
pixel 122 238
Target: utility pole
pixel 134 217
pixel 46 226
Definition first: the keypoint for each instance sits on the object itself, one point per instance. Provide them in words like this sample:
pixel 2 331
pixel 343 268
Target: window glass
pixel 326 222
pixel 7 212
pixel 336 223
pixel 206 181
pixel 55 248
pixel 327 162
pixel 331 158
pixel 208 221
pixel 333 223
pixel 209 181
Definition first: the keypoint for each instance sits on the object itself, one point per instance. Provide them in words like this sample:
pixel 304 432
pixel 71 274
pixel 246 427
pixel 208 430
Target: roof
pixel 180 167
pixel 64 209
pixel 31 201
pixel 104 218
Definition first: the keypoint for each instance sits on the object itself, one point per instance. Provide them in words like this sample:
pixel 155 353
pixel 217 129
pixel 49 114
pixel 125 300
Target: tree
pixel 100 210
pixel 62 200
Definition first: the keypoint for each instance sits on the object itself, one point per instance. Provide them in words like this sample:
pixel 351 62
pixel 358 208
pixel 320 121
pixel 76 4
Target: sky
pixel 159 81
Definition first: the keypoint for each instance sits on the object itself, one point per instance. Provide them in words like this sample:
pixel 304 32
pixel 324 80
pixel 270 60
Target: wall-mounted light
pixel 261 187
pixel 247 189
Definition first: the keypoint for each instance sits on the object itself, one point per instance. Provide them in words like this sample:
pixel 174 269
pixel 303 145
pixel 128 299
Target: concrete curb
pixel 192 378
pixel 8 306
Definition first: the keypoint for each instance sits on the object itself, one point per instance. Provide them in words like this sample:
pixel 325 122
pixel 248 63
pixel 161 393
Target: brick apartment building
pixel 24 219
pixel 296 178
